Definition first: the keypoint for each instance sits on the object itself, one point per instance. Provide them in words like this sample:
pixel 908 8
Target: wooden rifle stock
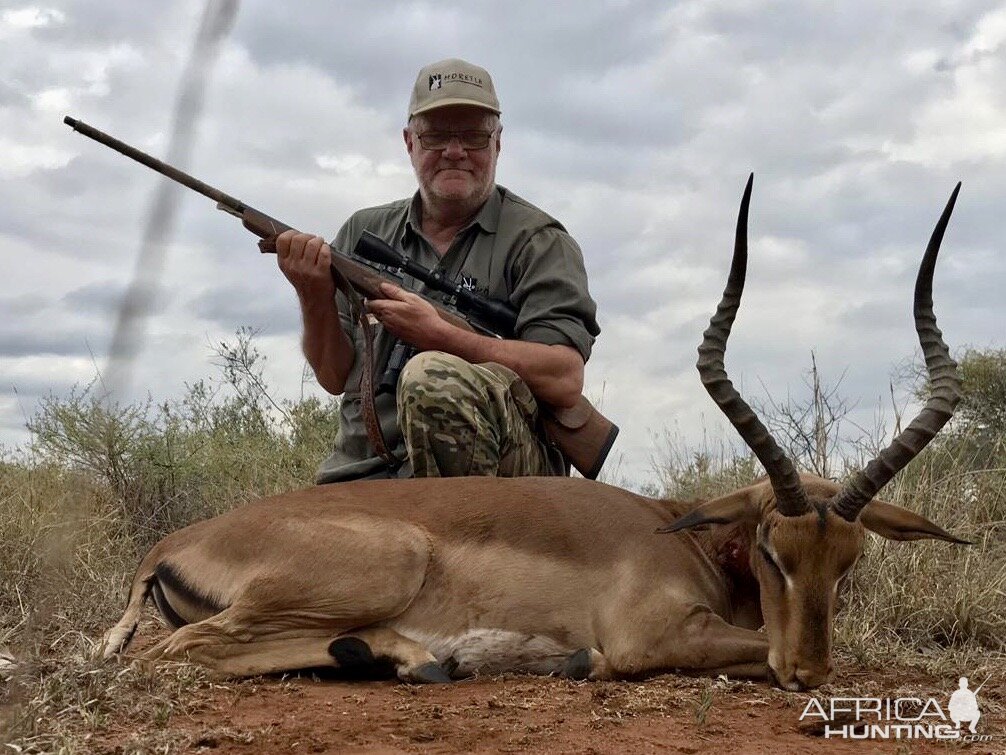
pixel 582 433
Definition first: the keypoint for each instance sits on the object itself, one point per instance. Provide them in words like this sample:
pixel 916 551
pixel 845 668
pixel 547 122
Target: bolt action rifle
pixel 582 433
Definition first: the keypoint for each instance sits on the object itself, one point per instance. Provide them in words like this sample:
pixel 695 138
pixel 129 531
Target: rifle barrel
pixel 152 162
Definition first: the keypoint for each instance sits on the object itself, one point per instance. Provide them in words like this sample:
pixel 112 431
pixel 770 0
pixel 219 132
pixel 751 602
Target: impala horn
pixel 791 499
pixel 945 391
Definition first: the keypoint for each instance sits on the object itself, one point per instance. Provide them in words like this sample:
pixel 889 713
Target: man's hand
pixel 306 262
pixel 409 317
pixel 553 373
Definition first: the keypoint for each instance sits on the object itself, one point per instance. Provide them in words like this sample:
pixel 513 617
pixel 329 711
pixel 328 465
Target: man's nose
pixel 454 150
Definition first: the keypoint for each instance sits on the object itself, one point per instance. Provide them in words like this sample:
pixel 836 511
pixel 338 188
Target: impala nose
pixel 809 678
pixel 784 681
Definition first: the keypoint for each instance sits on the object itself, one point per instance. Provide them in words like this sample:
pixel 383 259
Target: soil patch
pixel 512 714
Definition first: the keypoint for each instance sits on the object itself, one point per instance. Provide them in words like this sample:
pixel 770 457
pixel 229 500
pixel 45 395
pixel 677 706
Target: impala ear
pixel 744 504
pixel 896 523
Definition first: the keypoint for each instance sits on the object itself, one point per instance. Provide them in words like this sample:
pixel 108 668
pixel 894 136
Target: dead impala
pixel 445 578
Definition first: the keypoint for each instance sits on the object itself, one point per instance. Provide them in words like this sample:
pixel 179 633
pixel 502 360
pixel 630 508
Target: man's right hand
pixel 306 262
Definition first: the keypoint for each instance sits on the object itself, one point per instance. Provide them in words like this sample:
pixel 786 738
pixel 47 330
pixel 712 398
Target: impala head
pixel 807 532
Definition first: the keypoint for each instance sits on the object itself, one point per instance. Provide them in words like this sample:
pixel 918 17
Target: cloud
pixel 43 342
pixel 102 297
pixel 230 307
pixel 30 17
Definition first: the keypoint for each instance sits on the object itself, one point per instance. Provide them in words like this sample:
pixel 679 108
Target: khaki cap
pixel 453 82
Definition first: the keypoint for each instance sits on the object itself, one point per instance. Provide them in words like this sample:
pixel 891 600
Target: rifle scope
pixel 498 316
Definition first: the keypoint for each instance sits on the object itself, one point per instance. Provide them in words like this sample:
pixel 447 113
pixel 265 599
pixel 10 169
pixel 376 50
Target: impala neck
pixel 729 549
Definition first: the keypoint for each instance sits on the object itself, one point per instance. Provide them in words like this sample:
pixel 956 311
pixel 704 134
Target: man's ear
pixel 896 523
pixel 744 504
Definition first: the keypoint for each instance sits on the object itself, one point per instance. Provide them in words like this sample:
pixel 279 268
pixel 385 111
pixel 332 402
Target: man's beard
pixel 467 204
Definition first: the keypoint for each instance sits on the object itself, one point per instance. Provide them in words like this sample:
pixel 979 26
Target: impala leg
pixel 183 644
pixel 231 643
pixel 734 671
pixel 380 646
pixel 117 639
pixel 702 642
pixel 714 646
pixel 377 647
pixel 265 655
pixel 587 663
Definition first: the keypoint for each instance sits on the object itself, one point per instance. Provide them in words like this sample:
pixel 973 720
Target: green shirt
pixel 512 252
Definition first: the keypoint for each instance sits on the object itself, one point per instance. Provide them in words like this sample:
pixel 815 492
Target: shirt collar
pixel 487 218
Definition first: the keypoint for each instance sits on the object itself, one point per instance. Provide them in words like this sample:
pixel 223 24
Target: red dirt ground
pixel 517 714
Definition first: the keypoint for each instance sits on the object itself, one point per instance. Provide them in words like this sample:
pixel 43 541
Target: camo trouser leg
pixel 462 419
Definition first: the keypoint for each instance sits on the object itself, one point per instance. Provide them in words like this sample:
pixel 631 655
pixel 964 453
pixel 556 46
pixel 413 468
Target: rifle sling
pixel 370 419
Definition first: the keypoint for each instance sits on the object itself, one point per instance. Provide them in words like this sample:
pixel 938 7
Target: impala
pixel 440 579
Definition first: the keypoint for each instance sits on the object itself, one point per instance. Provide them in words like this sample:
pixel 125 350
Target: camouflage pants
pixel 463 419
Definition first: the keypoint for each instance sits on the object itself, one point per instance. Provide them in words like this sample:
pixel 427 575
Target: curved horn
pixel 945 391
pixel 791 499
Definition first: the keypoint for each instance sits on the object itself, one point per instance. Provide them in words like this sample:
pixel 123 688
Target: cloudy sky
pixel 634 123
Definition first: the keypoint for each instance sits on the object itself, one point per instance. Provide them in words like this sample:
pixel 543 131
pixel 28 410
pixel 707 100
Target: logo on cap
pixel 435 81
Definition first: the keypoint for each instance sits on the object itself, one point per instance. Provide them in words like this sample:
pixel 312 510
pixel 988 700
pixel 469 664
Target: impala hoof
pixel 351 653
pixel 428 673
pixel 357 660
pixel 578 665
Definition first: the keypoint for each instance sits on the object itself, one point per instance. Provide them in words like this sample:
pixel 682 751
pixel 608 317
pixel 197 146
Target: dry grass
pixel 940 605
pixel 60 699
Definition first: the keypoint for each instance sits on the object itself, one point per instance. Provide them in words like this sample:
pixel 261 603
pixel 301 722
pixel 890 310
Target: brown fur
pixel 488 574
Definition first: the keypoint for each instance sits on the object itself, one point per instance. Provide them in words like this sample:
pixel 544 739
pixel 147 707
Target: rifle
pixel 493 318
pixel 583 434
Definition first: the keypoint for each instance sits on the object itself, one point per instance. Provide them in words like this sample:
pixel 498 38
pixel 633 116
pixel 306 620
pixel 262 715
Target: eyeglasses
pixel 433 140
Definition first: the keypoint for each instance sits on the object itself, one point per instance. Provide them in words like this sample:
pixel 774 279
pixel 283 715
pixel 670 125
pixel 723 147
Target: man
pixel 466 403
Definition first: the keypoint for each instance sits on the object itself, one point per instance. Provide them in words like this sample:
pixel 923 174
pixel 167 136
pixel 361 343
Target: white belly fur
pixel 493 651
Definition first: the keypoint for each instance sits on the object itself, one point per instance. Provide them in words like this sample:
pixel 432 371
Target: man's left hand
pixel 409 317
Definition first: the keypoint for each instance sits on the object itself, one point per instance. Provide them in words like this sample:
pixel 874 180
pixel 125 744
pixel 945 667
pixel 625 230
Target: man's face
pixel 454 174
